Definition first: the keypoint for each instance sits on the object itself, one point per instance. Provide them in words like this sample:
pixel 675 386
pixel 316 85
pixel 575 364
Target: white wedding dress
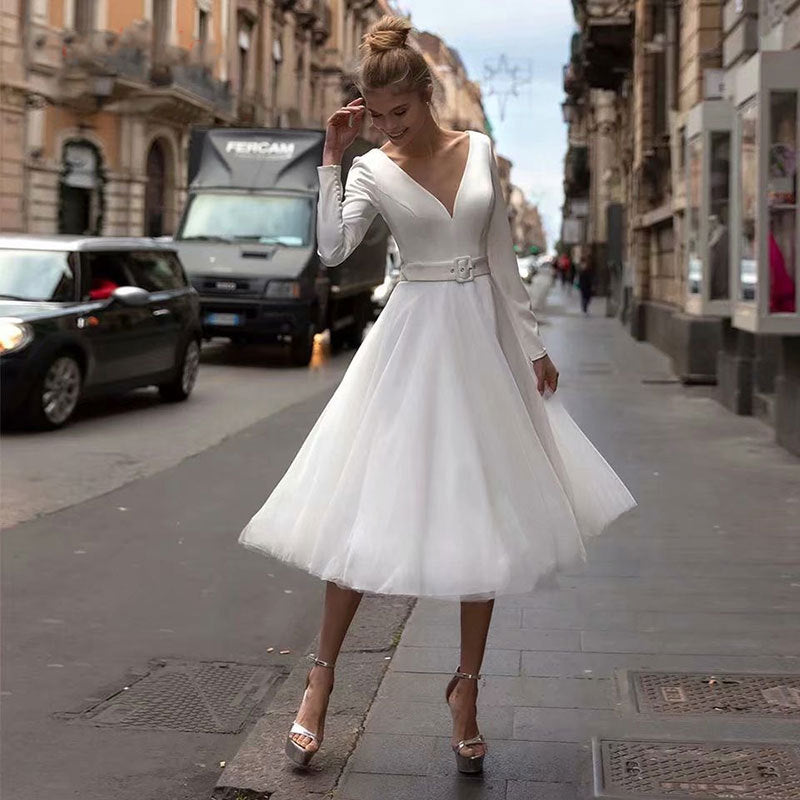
pixel 437 469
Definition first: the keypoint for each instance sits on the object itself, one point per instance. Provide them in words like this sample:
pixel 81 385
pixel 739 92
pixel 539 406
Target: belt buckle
pixel 464 265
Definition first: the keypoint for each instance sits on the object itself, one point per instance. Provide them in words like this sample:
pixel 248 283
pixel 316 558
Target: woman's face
pixel 398 115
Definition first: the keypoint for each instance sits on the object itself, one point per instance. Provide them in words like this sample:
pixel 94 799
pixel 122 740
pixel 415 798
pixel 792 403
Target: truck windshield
pixel 36 275
pixel 270 219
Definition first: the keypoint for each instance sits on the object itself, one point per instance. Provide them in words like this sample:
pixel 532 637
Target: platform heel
pixel 295 752
pixel 467 765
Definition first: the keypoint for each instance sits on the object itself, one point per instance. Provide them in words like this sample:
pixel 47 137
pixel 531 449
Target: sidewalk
pixel 703 577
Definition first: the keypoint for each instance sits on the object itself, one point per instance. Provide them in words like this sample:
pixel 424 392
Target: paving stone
pixel 439 613
pixel 395 755
pixel 445 660
pixel 580 725
pixel 611 598
pixel 505 639
pixel 576 665
pixel 399 687
pixel 534 790
pixel 755 642
pixel 537 761
pixel 433 719
pixel 360 786
pixel 575 619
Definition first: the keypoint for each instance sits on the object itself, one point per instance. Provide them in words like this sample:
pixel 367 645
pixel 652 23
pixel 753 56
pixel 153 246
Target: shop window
pixel 719 211
pixel 782 201
pixel 694 209
pixel 748 273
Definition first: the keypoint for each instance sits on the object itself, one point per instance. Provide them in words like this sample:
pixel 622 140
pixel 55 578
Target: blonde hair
pixel 387 60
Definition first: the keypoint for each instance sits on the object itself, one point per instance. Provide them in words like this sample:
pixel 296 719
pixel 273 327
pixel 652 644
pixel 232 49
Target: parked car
pixel 85 316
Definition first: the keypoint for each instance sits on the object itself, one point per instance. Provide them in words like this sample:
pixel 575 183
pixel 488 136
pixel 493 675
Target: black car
pixel 86 316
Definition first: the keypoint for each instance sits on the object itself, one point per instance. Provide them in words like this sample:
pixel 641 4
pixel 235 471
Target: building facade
pixel 97 97
pixel 708 112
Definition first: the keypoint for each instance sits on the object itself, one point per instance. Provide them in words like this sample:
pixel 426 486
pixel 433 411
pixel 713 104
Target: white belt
pixel 460 269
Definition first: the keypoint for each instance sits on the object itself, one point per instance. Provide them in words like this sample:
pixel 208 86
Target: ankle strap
pixel 467 675
pixel 319 662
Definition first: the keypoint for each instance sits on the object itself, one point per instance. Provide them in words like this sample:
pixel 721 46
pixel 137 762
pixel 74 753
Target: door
pixel 120 337
pixel 160 273
pixel 155 191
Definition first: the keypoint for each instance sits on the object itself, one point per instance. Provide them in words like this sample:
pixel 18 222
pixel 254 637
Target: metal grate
pixel 728 693
pixel 204 697
pixel 685 770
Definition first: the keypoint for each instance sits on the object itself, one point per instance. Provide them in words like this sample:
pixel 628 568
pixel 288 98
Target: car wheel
pixel 55 395
pixel 302 348
pixel 180 387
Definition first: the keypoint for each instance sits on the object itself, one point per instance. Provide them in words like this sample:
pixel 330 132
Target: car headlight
pixel 14 334
pixel 282 289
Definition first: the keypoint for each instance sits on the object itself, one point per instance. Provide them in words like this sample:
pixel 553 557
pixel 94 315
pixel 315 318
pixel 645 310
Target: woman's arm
pixel 504 269
pixel 343 214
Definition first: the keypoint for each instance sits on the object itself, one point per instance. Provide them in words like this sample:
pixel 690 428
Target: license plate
pixel 223 319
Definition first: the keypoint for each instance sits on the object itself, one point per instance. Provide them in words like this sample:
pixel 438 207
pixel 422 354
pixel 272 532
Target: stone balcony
pixel 103 68
pixel 606 41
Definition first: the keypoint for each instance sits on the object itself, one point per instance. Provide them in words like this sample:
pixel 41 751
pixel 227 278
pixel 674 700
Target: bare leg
pixel 340 607
pixel 475 619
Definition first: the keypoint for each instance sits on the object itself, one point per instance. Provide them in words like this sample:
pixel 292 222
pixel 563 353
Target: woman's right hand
pixel 343 126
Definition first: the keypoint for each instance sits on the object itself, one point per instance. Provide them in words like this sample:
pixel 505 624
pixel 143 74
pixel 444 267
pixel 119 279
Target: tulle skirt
pixel 436 469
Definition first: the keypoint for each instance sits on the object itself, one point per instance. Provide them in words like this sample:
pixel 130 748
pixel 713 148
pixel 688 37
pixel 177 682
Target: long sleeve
pixel 505 272
pixel 343 217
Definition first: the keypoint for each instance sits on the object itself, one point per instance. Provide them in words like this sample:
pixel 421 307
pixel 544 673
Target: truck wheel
pixel 302 347
pixel 180 387
pixel 56 393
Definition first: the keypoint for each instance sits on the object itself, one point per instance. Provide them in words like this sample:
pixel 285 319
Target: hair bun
pixel 388 33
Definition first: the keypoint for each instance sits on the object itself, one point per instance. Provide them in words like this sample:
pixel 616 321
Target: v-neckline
pixel 430 194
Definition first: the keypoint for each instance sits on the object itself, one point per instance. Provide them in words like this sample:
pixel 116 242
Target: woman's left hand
pixel 546 374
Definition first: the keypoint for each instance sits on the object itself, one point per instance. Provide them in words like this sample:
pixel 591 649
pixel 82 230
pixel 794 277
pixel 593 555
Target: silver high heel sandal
pixel 296 752
pixel 469 765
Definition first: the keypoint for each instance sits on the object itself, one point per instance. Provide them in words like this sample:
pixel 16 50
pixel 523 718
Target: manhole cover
pixel 204 697
pixel 719 693
pixel 684 770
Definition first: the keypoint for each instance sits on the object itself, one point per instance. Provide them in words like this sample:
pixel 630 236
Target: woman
pixel 436 469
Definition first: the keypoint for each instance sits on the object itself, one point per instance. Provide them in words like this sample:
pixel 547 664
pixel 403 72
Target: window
pixel 162 24
pixel 718 221
pixel 694 209
pixel 202 32
pixel 245 40
pixel 748 122
pixel 104 272
pixel 659 95
pixel 260 218
pixel 36 275
pixel 84 21
pixel 782 201
pixel 156 272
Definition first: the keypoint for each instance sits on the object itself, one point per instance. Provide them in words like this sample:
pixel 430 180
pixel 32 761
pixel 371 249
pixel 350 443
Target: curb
pixel 259 770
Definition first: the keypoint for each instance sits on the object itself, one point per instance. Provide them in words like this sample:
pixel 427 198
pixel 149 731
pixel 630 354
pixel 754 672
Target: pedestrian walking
pixel 585 281
pixel 417 477
pixel 564 268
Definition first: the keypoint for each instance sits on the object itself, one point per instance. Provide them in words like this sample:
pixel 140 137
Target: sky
pixel 536 32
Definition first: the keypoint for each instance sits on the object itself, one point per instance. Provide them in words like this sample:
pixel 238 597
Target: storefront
pixel 764 264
